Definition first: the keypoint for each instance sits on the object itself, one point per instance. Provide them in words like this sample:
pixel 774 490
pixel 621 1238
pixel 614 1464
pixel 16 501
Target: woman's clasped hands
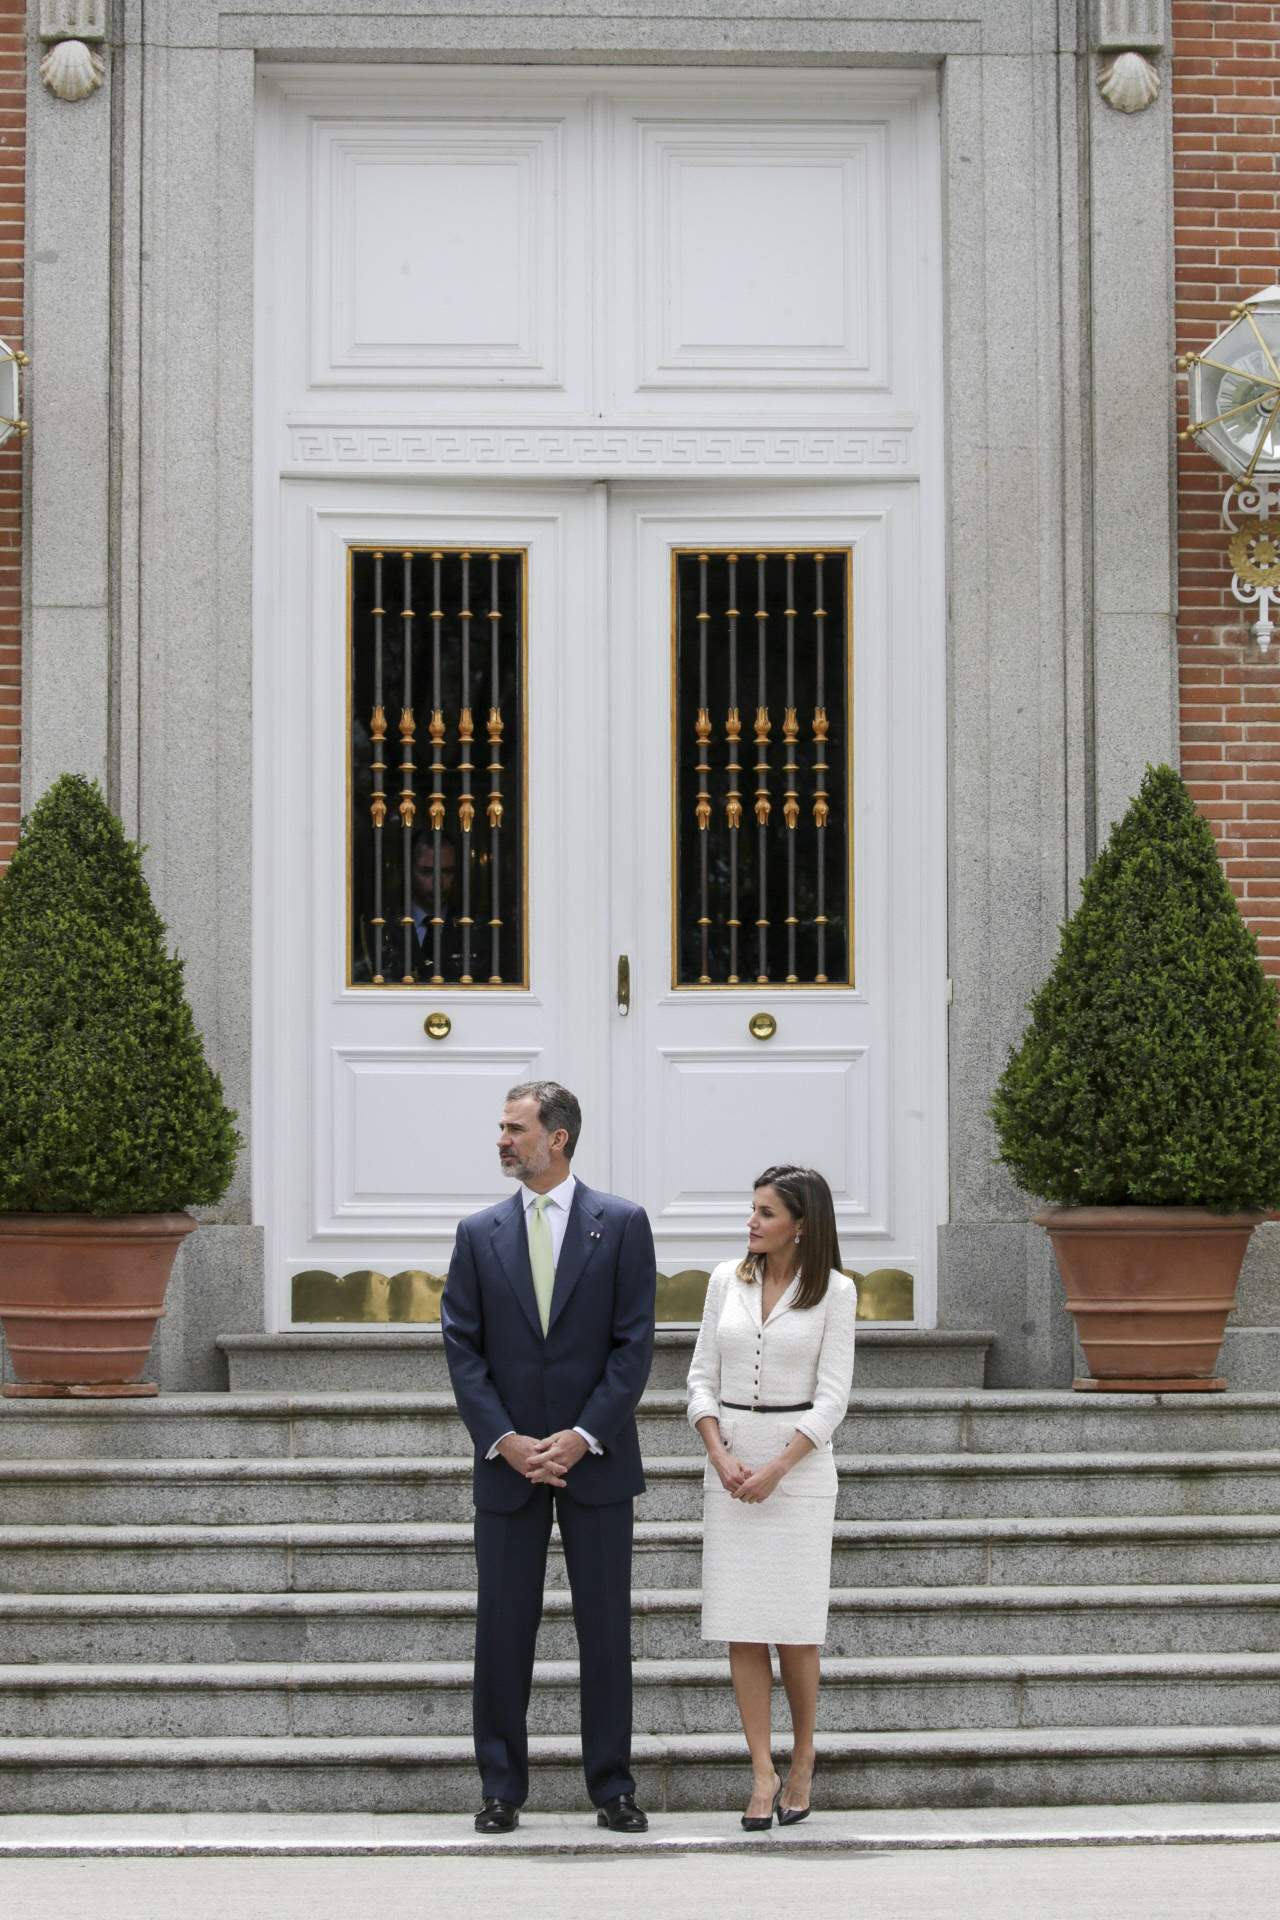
pixel 748 1484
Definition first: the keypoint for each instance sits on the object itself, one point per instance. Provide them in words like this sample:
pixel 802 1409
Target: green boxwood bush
pixel 107 1104
pixel 1150 1072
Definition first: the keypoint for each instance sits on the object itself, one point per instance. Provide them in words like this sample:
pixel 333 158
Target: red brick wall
pixel 1226 192
pixel 13 135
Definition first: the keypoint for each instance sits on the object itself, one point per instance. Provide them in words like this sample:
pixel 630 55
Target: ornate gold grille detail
pixel 762 766
pixel 821 808
pixel 407 768
pixel 436 810
pixel 783 870
pixel 703 807
pixel 456 860
pixel 733 734
pixel 466 767
pixel 791 768
pixel 493 811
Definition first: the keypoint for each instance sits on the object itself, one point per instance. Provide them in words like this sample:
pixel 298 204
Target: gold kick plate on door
pixel 624 984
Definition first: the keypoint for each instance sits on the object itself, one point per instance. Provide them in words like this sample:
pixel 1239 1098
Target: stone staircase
pixel 263 1601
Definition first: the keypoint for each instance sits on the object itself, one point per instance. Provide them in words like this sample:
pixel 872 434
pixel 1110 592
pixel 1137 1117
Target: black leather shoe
pixel 792 1816
pixel 497 1816
pixel 622 1815
pixel 752 1823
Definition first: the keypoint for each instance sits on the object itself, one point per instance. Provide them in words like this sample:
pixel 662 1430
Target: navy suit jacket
pixel 590 1368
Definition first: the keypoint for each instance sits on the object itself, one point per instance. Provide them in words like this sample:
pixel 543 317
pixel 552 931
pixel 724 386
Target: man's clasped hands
pixel 544 1462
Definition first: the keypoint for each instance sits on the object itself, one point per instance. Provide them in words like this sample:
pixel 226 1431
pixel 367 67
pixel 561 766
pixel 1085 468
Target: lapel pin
pixel 594 1235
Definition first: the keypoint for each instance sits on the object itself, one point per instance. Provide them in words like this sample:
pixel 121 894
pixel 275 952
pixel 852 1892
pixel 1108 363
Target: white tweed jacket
pixel 794 1355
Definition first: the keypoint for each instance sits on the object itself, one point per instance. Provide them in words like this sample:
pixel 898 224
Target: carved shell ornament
pixel 71 70
pixel 1129 82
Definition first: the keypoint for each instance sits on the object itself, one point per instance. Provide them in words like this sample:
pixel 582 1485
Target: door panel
pixel 841 1080
pixel 384 1134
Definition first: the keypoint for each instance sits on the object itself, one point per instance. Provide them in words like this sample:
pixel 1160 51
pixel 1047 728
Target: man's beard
pixel 517 1169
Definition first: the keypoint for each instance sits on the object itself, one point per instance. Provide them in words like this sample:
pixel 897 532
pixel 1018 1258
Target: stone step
pixel 1055 1766
pixel 1125 1550
pixel 322 1491
pixel 409 1360
pixel 258 1700
pixel 864 1622
pixel 355 1425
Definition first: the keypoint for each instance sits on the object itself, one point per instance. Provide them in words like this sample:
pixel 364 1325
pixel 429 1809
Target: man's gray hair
pixel 557 1108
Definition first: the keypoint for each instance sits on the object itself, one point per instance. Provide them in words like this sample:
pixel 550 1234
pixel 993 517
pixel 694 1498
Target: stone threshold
pixel 337 1337
pixel 233 1835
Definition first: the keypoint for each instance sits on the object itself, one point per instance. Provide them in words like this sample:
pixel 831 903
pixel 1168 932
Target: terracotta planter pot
pixel 1151 1289
pixel 80 1298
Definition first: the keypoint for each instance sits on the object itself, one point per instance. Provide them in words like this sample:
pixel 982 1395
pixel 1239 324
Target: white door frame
pixel 382 435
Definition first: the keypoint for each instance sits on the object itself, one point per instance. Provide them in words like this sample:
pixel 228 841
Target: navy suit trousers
pixel 511 1563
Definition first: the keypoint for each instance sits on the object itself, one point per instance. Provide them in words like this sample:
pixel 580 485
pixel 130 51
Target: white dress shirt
pixel 556 1214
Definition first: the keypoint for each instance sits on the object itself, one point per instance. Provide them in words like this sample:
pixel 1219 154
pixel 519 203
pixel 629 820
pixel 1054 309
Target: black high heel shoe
pixel 762 1823
pixel 792 1816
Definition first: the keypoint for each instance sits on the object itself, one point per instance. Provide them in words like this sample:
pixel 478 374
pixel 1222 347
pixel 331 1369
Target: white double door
pixel 374 1138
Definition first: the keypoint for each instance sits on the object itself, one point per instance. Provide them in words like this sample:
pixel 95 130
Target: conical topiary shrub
pixel 1150 1072
pixel 107 1104
pixel 1144 1100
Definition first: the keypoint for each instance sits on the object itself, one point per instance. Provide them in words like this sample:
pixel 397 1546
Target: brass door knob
pixel 437 1026
pixel 762 1026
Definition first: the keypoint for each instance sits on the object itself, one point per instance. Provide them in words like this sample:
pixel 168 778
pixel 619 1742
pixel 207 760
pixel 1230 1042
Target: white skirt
pixel 766 1567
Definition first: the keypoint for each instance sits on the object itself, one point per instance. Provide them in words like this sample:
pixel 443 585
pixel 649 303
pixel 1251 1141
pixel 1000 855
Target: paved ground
pixel 1216 1882
pixel 564 1835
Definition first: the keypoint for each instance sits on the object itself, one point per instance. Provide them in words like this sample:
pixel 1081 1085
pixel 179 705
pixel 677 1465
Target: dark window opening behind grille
pixel 763 654
pixel 437 863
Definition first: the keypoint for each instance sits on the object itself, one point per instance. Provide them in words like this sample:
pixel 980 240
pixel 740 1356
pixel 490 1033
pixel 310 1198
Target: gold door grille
pixel 763 708
pixel 437 767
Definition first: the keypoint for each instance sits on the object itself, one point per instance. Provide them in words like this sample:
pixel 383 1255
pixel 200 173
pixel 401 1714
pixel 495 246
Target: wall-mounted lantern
pixel 12 362
pixel 1233 391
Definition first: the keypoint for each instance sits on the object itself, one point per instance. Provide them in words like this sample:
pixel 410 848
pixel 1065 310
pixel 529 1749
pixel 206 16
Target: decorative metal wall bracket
pixel 1251 515
pixel 69 29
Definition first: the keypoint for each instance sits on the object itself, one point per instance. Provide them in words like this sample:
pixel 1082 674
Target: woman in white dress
pixel 768 1387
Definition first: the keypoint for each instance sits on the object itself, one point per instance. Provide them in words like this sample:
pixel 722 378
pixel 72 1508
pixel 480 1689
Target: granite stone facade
pixel 13 124
pixel 1058 217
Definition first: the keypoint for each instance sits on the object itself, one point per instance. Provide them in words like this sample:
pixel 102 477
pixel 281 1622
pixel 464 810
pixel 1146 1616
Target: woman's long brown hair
pixel 807 1198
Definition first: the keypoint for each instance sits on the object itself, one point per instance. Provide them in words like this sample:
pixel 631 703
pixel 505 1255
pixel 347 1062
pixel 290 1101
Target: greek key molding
pixel 622 450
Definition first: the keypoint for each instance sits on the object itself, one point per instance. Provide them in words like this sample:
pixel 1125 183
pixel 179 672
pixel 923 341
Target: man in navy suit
pixel 548 1316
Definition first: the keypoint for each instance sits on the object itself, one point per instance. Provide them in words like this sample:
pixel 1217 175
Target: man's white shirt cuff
pixel 593 1444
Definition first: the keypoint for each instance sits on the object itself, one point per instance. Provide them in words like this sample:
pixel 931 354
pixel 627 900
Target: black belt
pixel 741 1406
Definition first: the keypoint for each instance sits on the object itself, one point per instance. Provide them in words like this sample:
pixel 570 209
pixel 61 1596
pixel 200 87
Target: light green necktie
pixel 540 1259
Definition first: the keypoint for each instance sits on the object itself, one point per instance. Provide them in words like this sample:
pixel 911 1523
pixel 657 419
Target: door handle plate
pixel 624 984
